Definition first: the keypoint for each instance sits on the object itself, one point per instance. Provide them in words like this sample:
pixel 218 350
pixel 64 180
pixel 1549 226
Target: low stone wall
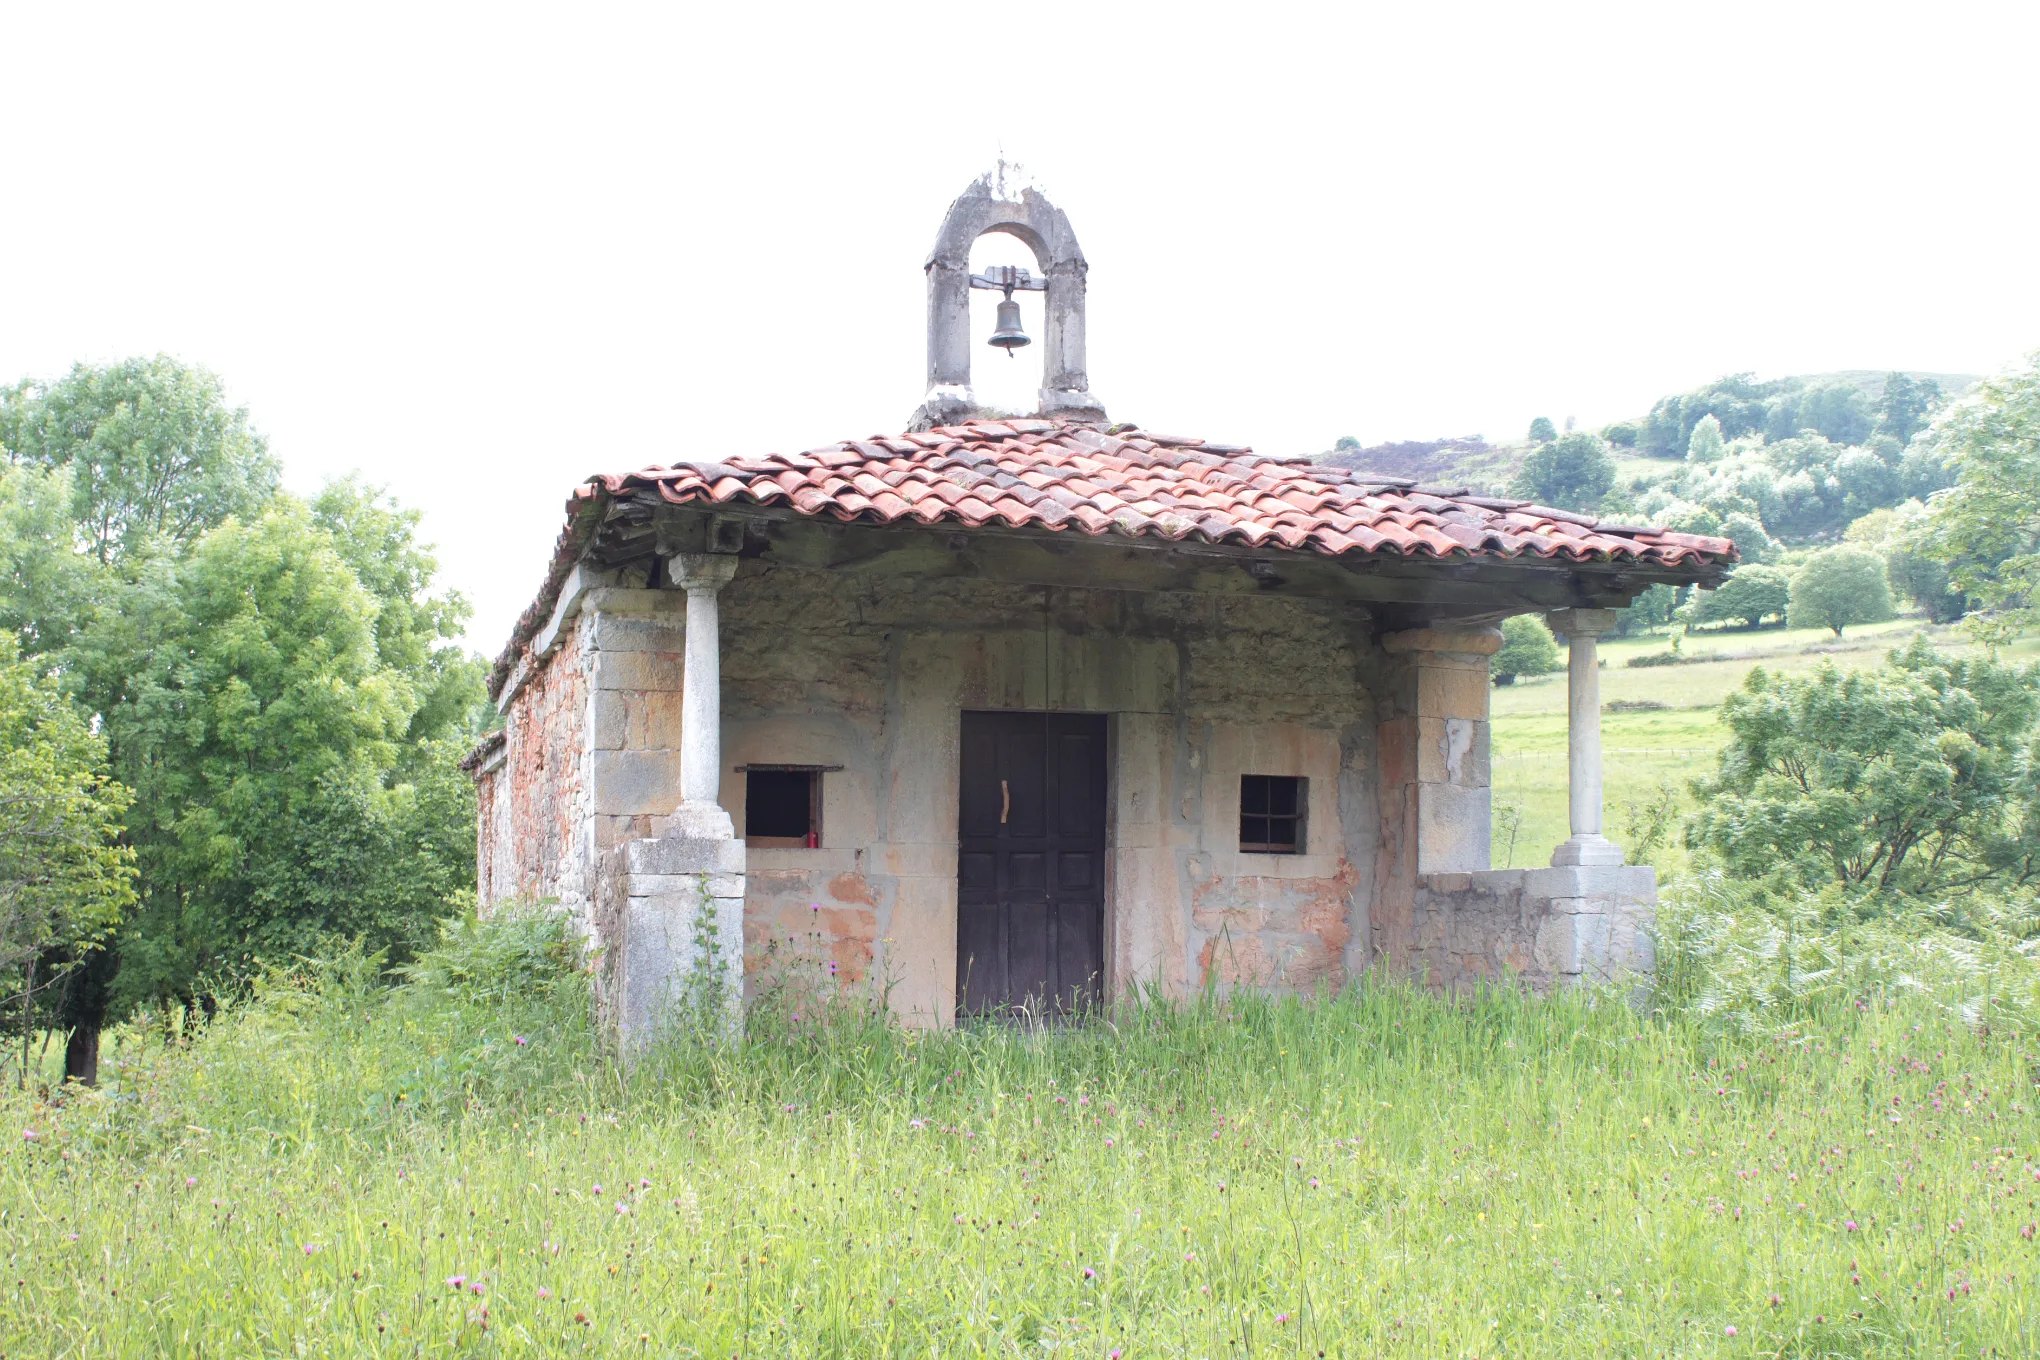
pixel 1541 928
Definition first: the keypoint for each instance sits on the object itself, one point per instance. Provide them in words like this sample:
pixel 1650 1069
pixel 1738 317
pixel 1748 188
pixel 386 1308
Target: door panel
pixel 1030 883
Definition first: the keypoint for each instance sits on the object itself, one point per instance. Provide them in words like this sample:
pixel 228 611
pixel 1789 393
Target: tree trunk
pixel 81 1013
pixel 81 1056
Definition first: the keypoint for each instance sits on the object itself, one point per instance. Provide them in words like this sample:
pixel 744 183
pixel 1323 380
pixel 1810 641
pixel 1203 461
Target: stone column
pixel 677 900
pixel 1582 628
pixel 699 814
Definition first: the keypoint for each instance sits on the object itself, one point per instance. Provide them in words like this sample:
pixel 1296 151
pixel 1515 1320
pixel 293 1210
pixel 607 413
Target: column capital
pixel 701 571
pixel 1581 622
pixel 1469 641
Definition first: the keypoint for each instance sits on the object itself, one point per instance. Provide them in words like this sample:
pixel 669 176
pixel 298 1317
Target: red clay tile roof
pixel 1061 476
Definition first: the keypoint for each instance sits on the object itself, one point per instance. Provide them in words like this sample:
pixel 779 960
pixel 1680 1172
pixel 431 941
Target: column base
pixel 677 956
pixel 699 821
pixel 1590 850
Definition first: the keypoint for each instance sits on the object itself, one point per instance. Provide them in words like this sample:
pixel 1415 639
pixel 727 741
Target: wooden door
pixel 1030 863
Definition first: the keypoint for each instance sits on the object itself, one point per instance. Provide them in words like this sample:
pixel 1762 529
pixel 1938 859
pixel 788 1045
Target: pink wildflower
pixel 454 1282
pixel 1729 1330
pixel 190 1181
pixel 1281 1318
pixel 1090 1274
pixel 544 1293
pixel 521 1040
pixel 1848 1225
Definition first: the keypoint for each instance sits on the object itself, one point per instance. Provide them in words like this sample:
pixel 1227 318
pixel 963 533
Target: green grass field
pixel 454 1167
pixel 327 1173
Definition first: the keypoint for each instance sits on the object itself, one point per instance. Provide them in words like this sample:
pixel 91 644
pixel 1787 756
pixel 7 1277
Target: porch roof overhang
pixel 1064 503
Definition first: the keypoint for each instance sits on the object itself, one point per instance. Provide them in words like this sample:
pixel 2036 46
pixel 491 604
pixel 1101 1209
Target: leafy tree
pixel 1897 535
pixel 1986 528
pixel 1542 431
pixel 1837 587
pixel 378 539
pixel 1527 649
pixel 1906 403
pixel 1652 609
pixel 1839 411
pixel 1918 778
pixel 153 450
pixel 1751 593
pixel 47 587
pixel 65 878
pixel 1705 444
pixel 1746 531
pixel 1739 402
pixel 281 797
pixel 1346 443
pixel 1622 434
pixel 1572 472
pixel 1867 482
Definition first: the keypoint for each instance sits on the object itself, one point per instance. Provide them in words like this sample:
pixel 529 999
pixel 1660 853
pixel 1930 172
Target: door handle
pixel 1005 801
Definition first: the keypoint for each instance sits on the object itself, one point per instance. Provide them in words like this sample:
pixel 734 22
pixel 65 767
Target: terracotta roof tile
pixel 1063 477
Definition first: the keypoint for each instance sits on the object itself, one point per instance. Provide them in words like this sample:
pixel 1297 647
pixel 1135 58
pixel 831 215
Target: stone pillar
pixel 699 814
pixel 1440 733
pixel 676 902
pixel 1582 628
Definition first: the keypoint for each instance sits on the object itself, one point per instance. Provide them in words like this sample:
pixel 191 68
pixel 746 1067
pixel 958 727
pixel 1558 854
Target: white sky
pixel 481 252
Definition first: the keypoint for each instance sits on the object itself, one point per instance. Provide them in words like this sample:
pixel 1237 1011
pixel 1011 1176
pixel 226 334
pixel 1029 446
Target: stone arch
pixel 1003 200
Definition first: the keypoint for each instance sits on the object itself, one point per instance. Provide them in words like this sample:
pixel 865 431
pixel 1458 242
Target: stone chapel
pixel 1026 714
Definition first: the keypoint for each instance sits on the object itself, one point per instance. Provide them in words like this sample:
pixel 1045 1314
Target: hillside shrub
pixel 1916 780
pixel 1572 472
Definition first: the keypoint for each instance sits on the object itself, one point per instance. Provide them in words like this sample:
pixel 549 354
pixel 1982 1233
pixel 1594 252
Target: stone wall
pixel 1543 928
pixel 871 673
pixel 535 789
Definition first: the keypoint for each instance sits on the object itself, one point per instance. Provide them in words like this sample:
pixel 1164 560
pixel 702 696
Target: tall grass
pixel 336 1168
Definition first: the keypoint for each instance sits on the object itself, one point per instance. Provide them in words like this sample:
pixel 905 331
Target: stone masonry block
pixel 629 782
pixel 1452 692
pixel 638 670
pixel 1453 751
pixel 655 720
pixel 1454 829
pixel 687 886
pixel 676 855
pixel 637 633
pixel 1635 883
pixel 609 712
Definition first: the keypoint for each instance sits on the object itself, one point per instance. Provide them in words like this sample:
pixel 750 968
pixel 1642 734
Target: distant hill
pixel 1872 380
pixel 1466 461
pixel 1474 462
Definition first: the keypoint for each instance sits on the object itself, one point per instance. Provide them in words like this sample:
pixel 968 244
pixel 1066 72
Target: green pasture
pixel 333 1171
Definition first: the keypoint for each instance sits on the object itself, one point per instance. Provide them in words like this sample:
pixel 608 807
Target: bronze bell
pixel 1008 336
